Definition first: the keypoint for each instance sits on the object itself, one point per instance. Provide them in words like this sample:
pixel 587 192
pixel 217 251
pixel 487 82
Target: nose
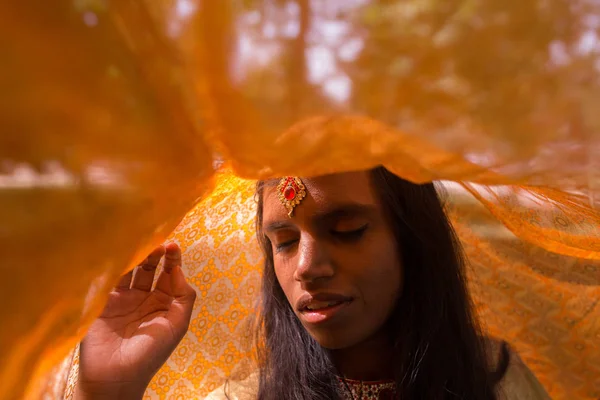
pixel 314 262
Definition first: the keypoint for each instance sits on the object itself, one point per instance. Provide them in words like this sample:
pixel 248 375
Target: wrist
pixel 109 391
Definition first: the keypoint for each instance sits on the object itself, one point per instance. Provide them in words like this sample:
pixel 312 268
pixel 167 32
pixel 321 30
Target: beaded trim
pixel 373 390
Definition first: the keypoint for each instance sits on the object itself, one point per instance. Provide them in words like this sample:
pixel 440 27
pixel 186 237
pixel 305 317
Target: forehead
pixel 323 194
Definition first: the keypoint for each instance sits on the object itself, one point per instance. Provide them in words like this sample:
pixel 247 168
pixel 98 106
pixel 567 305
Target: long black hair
pixel 439 352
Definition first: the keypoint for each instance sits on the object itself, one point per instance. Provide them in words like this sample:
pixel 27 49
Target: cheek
pixel 381 282
pixel 285 277
pixel 385 279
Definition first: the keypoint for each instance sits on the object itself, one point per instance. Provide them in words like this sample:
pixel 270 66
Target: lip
pixel 323 314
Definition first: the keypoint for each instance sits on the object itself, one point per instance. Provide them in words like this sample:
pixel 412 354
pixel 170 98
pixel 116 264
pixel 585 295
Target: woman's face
pixel 336 258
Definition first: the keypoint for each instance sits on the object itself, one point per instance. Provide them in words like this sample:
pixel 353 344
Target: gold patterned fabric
pixel 115 115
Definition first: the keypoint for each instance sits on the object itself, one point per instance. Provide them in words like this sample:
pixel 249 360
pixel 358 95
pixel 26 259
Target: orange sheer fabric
pixel 113 113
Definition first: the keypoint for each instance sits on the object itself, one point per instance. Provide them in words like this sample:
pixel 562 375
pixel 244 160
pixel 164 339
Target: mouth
pixel 320 308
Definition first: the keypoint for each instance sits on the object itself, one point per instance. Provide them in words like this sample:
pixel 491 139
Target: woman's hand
pixel 137 331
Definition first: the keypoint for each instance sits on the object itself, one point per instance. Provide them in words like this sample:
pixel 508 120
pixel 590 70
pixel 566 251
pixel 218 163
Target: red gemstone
pixel 289 193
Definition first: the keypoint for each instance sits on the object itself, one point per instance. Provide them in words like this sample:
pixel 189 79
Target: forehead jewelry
pixel 291 192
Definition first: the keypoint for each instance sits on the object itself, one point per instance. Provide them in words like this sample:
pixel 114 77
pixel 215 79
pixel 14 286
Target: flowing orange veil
pixel 127 123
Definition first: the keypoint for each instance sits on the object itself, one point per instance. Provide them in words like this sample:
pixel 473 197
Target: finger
pixel 172 256
pixel 125 281
pixel 144 273
pixel 182 290
pixel 180 313
pixel 172 260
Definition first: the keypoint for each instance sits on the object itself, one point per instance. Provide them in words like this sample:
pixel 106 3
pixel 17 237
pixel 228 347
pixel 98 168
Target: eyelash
pixel 282 246
pixel 347 236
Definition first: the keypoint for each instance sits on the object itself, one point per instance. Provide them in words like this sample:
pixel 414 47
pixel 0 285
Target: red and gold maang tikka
pixel 291 192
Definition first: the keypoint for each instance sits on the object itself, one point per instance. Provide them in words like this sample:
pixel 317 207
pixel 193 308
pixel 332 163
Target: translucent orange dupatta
pixel 114 116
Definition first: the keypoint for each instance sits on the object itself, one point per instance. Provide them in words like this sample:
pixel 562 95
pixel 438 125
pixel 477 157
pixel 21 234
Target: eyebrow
pixel 331 214
pixel 277 225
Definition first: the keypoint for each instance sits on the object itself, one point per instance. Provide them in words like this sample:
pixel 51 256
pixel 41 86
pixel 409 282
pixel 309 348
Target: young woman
pixel 363 297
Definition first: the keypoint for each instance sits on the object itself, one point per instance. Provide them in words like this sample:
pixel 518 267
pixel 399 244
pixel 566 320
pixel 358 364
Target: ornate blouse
pixel 360 390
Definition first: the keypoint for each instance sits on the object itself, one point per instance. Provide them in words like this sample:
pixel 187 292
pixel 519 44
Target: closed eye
pixel 352 235
pixel 285 245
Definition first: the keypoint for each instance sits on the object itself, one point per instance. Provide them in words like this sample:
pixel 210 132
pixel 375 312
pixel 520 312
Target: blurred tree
pixel 486 66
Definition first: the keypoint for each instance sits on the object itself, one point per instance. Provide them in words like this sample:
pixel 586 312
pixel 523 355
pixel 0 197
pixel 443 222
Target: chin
pixel 334 340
